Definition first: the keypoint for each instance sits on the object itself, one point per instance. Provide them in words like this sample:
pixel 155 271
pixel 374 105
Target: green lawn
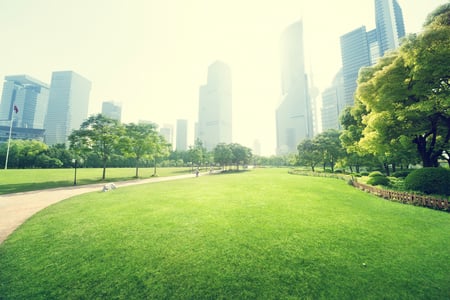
pixel 22 180
pixel 262 234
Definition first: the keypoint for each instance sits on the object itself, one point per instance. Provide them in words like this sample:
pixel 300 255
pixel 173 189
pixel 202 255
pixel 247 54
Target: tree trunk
pixel 386 168
pixel 428 160
pixel 137 170
pixel 104 170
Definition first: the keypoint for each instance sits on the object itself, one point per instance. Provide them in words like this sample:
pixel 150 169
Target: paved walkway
pixel 17 208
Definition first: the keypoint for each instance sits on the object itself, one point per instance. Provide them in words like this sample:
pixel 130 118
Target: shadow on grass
pixel 224 172
pixel 35 186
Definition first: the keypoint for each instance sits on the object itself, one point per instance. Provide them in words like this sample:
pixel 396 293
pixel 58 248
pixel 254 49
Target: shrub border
pixel 400 197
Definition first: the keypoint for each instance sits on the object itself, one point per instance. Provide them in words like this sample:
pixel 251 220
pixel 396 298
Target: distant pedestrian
pixel 196 172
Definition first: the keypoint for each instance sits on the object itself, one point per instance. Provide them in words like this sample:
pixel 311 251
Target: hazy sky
pixel 153 55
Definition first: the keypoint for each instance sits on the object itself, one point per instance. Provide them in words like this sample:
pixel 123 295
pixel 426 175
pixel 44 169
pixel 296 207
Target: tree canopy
pixel 98 134
pixel 404 99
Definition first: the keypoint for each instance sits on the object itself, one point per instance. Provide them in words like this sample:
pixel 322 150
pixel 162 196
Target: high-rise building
pixel 167 132
pixel 333 103
pixel 67 105
pixel 29 96
pixel 112 110
pixel 215 105
pixel 294 120
pixel 389 24
pixel 361 49
pixel 355 54
pixel 182 129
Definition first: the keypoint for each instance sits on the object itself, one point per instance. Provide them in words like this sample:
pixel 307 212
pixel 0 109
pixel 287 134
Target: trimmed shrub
pixel 365 173
pixel 429 181
pixel 378 180
pixel 401 174
pixel 375 174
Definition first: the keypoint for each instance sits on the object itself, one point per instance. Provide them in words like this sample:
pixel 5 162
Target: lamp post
pixel 75 162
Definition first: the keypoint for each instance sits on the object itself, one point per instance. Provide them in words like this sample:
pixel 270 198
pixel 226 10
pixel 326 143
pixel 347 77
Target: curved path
pixel 18 207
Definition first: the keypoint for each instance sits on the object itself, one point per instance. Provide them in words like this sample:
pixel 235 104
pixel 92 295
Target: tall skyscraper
pixel 361 49
pixel 333 103
pixel 167 132
pixel 67 105
pixel 389 24
pixel 355 54
pixel 30 96
pixel 112 110
pixel 215 105
pixel 294 115
pixel 182 129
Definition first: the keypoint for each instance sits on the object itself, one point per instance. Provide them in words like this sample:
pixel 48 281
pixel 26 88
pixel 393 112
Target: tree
pixel 161 150
pixel 60 152
pixel 241 154
pixel 23 153
pixel 308 153
pixel 407 95
pixel 139 142
pixel 197 153
pixel 223 154
pixel 351 121
pixel 98 134
pixel 329 145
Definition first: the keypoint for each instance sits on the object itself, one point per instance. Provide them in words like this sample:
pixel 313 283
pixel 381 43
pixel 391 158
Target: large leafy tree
pixel 140 142
pixel 162 149
pixel 197 153
pixel 223 155
pixel 241 154
pixel 351 121
pixel 407 95
pixel 309 154
pixel 98 134
pixel 330 147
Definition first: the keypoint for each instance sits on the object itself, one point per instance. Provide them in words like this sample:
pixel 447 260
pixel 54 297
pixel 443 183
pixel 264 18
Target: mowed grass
pixel 22 180
pixel 262 234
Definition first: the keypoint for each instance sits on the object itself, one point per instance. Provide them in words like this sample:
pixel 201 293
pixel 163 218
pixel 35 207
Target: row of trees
pixel 402 106
pixel 102 142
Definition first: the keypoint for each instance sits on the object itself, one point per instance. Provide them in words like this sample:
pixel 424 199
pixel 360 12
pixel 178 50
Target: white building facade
pixel 294 116
pixel 67 105
pixel 25 98
pixel 215 107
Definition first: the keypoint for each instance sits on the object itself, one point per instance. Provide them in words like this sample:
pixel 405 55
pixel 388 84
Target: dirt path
pixel 17 208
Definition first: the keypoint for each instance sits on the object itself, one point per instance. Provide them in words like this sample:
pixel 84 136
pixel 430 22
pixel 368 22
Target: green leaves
pixel 406 94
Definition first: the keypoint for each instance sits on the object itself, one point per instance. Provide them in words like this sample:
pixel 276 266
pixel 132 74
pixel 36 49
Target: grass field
pixel 261 234
pixel 22 180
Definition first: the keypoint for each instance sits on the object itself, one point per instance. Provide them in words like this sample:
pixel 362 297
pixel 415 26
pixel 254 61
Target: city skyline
pixel 152 55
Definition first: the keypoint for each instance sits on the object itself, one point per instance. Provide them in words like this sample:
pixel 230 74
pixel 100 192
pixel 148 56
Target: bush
pixel 429 181
pixel 365 173
pixel 375 174
pixel 378 180
pixel 401 174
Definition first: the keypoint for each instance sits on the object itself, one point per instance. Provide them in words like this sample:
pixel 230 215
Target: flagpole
pixel 9 141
